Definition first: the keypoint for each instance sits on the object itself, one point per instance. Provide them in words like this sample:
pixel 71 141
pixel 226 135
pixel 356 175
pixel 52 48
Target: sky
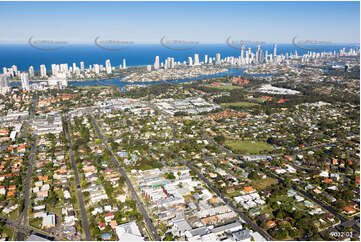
pixel 204 22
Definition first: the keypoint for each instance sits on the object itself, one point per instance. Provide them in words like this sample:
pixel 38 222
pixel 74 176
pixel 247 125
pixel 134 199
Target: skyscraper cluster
pixel 195 61
pixel 247 57
pixel 60 73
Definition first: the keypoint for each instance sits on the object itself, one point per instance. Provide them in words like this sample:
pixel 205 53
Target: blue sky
pixel 205 22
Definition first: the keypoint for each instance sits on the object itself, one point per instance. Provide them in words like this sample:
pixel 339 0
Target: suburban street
pixel 25 130
pixel 23 218
pixel 84 218
pixel 148 221
pixel 245 218
pixel 23 229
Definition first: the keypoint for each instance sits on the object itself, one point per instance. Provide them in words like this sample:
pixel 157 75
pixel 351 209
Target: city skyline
pixel 148 22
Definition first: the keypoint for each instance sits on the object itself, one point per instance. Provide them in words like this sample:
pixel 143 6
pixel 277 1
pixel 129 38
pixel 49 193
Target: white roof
pixel 258 237
pixel 128 232
pixel 49 220
pixel 34 237
pixel 238 199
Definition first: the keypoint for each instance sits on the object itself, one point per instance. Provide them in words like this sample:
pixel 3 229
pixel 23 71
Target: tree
pixel 169 237
pixel 253 175
pixel 340 204
pixel 280 214
pixel 169 176
pixel 220 139
pixel 347 194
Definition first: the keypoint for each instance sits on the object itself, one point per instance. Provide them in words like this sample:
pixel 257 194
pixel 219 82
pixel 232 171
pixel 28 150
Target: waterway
pixel 122 84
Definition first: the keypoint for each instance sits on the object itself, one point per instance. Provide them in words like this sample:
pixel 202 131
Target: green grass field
pixel 261 184
pixel 226 87
pixel 239 104
pixel 247 147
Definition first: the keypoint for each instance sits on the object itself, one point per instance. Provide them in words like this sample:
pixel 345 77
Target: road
pixel 23 218
pixel 141 208
pixel 27 190
pixel 84 218
pixel 24 134
pixel 23 229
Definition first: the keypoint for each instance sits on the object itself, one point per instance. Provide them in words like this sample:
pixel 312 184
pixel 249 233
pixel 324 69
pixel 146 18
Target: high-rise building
pixel 190 61
pixel 171 63
pixel 149 67
pixel 54 69
pixel 196 60
pixel 218 58
pixel 108 67
pixel 261 56
pixel 63 68
pixel 274 50
pixel 242 51
pixel 5 70
pixel 166 63
pixel 74 67
pixel 156 63
pixel 14 70
pixel 258 54
pixel 124 64
pixel 25 81
pixel 96 68
pixel 82 65
pixel 205 59
pixel 4 84
pixel 31 71
pixel 266 56
pixel 43 71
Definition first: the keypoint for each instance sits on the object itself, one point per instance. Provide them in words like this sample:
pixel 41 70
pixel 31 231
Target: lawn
pixel 247 147
pixel 233 194
pixel 261 184
pixel 239 104
pixel 147 165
